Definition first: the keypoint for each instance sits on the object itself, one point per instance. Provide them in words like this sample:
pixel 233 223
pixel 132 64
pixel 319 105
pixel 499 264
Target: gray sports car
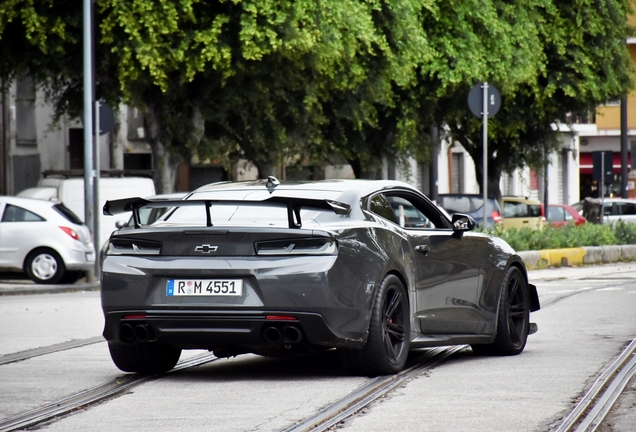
pixel 371 268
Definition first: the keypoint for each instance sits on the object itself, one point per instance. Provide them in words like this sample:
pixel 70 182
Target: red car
pixel 561 214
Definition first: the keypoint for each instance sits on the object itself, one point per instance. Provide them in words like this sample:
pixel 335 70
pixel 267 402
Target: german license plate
pixel 204 287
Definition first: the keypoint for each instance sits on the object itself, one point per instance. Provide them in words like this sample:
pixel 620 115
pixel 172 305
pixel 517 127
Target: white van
pixel 70 191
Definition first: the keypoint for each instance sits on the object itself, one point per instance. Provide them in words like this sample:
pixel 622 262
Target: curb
pixel 578 256
pixel 31 288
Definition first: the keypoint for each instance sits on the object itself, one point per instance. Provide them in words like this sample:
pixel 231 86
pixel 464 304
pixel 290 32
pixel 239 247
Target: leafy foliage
pixel 578 65
pixel 285 82
pixel 568 236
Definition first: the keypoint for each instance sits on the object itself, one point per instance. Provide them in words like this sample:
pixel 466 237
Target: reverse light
pixel 71 232
pixel 296 247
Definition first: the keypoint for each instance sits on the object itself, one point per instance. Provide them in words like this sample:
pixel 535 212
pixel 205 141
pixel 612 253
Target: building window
pixel 534 180
pixel 76 148
pixel 25 112
pixel 457 173
pixel 136 129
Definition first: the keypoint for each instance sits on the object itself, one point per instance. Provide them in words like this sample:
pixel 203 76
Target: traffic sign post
pixel 603 172
pixel 484 101
pixel 103 120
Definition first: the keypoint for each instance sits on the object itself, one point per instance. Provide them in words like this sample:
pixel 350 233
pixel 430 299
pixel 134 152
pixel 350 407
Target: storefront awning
pixel 586 164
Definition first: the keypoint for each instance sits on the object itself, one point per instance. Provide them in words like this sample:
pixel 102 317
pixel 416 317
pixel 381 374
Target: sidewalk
pixel 20 286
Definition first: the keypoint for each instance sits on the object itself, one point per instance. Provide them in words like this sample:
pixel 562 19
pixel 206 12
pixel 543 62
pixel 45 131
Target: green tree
pixel 583 62
pixel 270 80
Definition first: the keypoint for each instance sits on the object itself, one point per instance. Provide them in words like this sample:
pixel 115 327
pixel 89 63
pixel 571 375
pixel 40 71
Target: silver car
pixel 44 239
pixel 614 209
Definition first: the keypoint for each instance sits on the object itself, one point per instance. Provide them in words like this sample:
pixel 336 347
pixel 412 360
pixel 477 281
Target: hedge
pixel 567 236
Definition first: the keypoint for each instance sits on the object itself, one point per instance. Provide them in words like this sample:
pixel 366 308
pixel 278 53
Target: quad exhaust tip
pixel 135 333
pixel 289 334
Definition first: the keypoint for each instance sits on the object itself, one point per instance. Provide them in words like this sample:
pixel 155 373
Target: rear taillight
pixel 496 216
pixel 133 247
pixel 71 232
pixel 296 247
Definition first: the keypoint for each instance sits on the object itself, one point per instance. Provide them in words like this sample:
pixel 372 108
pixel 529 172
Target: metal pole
pixel 624 170
pixel 546 181
pixel 433 169
pixel 96 238
pixel 484 116
pixel 88 121
pixel 602 191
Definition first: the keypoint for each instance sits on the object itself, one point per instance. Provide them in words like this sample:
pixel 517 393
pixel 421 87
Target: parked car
pixel 614 209
pixel 278 269
pixel 473 206
pixel 520 212
pixel 70 192
pixel 146 216
pixel 44 239
pixel 563 214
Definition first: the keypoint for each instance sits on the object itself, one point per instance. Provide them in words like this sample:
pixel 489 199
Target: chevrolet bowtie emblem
pixel 206 248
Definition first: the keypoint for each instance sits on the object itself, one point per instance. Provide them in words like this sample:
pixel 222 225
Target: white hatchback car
pixel 44 239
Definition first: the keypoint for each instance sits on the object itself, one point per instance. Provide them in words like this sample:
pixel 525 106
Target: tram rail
pixel 25 355
pixel 587 415
pixel 92 395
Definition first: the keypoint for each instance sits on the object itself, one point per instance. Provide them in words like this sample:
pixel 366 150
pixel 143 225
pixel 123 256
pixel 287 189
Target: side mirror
pixel 462 222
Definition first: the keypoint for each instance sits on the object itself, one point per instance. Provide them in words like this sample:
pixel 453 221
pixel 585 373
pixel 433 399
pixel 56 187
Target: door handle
pixel 422 249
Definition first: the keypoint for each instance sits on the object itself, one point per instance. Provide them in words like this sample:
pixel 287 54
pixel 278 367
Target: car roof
pixel 520 199
pixel 359 186
pixel 28 202
pixel 460 195
pixel 607 200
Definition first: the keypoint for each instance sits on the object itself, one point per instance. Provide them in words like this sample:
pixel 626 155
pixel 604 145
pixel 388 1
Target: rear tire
pixel 513 319
pixel 388 342
pixel 44 266
pixel 72 277
pixel 146 358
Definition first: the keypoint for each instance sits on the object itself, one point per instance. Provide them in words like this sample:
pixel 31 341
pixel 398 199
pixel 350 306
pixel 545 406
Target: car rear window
pixel 261 215
pixel 14 213
pixel 67 214
pixel 521 209
pixel 557 214
pixel 461 204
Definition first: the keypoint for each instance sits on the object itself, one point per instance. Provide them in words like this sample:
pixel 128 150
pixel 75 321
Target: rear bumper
pixel 331 306
pixel 252 330
pixel 79 260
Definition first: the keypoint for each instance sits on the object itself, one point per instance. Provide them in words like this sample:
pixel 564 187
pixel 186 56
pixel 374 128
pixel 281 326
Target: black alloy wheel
pixel 388 342
pixel 513 319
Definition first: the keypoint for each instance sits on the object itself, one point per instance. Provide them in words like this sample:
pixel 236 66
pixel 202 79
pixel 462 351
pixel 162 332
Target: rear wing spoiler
pixel 293 205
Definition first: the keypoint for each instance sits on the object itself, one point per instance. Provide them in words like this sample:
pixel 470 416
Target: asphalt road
pixel 586 319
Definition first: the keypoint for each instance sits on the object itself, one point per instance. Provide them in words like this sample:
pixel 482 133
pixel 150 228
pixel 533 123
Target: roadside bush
pixel 625 232
pixel 568 236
